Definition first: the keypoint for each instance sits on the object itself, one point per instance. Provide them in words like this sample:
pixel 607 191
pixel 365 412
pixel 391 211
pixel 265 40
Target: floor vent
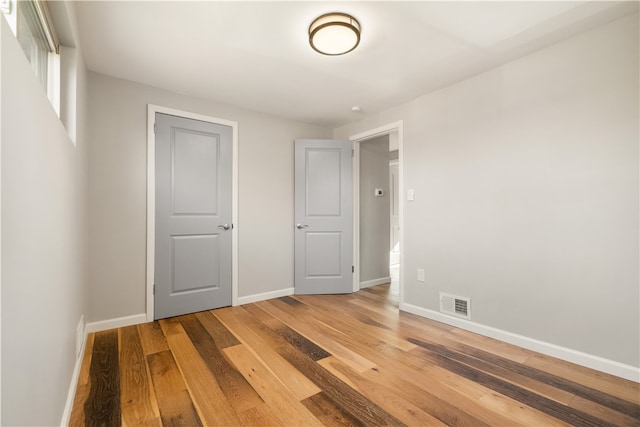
pixel 455 306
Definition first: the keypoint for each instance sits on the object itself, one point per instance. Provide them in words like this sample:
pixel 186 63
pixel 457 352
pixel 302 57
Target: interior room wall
pixel 118 185
pixel 526 194
pixel 44 179
pixel 374 211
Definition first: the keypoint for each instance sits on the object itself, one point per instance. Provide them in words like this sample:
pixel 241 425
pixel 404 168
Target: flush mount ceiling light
pixel 334 34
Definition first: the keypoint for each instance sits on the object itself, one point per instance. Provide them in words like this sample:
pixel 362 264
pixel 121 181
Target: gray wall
pixel 44 179
pixel 526 193
pixel 117 202
pixel 374 211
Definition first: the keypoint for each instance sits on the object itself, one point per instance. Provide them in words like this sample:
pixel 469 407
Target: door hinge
pixel 154 289
pixel 353 152
pixel 353 268
pixel 155 129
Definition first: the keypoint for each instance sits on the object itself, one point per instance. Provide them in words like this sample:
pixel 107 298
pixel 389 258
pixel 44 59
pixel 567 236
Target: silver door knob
pixel 224 227
pixel 301 226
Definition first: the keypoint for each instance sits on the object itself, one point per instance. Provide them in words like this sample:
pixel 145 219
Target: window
pixel 31 23
pixel 35 34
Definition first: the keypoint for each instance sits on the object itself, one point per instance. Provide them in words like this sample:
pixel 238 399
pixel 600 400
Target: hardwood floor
pixel 333 360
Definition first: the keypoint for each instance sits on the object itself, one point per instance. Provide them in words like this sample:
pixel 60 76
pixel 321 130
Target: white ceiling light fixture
pixel 334 34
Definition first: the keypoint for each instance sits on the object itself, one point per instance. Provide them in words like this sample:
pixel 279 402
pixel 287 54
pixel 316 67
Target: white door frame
pixel 151 198
pixel 391 128
pixel 392 163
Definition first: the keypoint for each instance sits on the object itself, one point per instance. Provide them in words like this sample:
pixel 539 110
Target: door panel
pixel 192 266
pixel 323 214
pixel 323 254
pixel 323 182
pixel 194 178
pixel 193 203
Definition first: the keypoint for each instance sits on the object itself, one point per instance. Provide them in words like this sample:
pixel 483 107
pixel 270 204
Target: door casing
pixel 151 191
pixel 392 195
pixel 391 128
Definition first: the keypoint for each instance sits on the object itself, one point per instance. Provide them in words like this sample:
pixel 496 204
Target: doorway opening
pixel 378 227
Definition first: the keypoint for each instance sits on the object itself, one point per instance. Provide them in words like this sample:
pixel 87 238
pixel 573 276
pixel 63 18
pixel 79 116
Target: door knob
pixel 301 226
pixel 224 227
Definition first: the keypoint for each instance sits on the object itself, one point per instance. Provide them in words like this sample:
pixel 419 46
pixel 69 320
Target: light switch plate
pixel 410 195
pixel 5 6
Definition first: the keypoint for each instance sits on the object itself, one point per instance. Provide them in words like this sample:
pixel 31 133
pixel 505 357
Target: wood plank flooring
pixel 333 360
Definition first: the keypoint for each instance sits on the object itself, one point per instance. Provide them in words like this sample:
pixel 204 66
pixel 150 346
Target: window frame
pixel 51 81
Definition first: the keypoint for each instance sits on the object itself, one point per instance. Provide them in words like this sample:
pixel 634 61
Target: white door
pixel 394 232
pixel 193 216
pixel 323 217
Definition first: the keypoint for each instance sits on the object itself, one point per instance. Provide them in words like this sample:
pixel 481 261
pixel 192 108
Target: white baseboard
pixel 584 359
pixel 374 282
pixel 265 296
pixel 66 414
pixel 118 322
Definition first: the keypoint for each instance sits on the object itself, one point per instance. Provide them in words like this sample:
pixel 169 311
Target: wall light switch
pixel 5 6
pixel 420 275
pixel 410 195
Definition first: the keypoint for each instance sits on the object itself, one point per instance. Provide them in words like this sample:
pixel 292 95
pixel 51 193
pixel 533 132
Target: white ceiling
pixel 255 55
